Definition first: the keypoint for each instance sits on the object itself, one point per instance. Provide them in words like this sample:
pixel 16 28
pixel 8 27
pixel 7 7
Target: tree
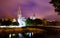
pixel 33 22
pixel 6 22
pixel 37 21
pixel 15 23
pixel 56 4
pixel 29 22
pixel 0 21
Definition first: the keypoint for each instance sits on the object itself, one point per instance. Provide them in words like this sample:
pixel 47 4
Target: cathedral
pixel 21 20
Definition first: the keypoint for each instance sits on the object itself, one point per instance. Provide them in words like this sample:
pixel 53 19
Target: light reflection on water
pixel 21 35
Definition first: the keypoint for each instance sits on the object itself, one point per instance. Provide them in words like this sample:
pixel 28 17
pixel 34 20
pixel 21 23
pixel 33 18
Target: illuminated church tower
pixel 33 17
pixel 20 19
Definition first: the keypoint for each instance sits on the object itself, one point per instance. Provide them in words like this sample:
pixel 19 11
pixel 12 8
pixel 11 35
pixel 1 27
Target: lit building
pixel 33 17
pixel 14 20
pixel 20 19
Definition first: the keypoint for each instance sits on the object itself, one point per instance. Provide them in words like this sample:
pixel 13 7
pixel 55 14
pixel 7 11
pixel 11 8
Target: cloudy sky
pixel 41 9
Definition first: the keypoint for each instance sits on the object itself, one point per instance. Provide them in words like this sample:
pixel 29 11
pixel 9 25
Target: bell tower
pixel 20 18
pixel 19 12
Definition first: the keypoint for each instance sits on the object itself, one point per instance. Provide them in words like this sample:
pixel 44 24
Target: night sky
pixel 41 9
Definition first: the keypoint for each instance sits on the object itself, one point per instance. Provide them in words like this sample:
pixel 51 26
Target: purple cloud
pixel 41 8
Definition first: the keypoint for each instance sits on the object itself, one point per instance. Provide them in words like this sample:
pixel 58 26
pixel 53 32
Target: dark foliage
pixel 34 22
pixel 56 4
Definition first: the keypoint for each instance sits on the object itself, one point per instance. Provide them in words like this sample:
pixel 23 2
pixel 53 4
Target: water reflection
pixel 47 34
pixel 25 35
pixel 21 35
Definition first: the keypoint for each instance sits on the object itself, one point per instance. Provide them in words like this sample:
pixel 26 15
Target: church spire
pixel 20 18
pixel 33 16
pixel 19 10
